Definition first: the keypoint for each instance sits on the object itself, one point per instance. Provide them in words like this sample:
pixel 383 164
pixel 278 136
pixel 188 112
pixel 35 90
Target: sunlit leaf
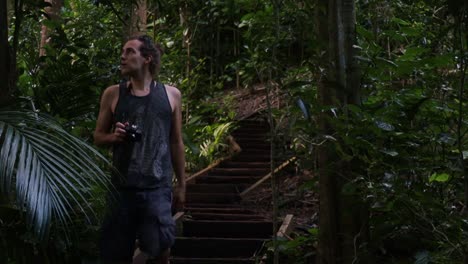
pixel 392 153
pixel 439 177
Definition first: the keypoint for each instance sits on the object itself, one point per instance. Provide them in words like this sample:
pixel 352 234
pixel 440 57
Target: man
pixel 142 120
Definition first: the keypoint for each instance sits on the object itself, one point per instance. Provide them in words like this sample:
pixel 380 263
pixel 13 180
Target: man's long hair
pixel 149 49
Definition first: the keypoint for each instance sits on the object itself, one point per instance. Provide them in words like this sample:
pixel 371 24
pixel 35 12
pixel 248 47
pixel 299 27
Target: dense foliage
pixel 407 141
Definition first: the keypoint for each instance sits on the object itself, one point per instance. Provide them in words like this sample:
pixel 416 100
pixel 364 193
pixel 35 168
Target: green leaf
pixel 439 177
pixel 392 153
pixel 444 60
pixel 387 61
pixel 400 21
pixel 411 31
pixel 412 53
pixel 364 32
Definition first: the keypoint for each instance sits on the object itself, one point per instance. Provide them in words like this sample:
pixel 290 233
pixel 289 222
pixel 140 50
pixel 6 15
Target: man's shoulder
pixel 169 87
pixel 112 90
pixel 173 90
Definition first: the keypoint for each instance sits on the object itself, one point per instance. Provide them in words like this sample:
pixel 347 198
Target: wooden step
pixel 218 198
pixel 255 151
pixel 227 229
pixel 238 171
pixel 215 188
pixel 233 179
pixel 256 145
pixel 220 210
pixel 202 247
pixel 180 260
pixel 258 158
pixel 245 164
pixel 225 216
pixel 210 205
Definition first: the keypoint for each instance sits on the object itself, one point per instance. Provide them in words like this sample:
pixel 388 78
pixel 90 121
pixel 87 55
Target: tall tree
pixel 137 15
pixel 4 53
pixel 340 223
pixel 52 11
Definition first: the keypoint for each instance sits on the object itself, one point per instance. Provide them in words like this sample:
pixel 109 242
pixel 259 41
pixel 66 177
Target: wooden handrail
pixel 235 149
pixel 266 177
pixel 205 170
pixel 286 227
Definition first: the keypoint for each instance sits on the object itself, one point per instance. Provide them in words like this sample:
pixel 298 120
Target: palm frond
pixel 47 171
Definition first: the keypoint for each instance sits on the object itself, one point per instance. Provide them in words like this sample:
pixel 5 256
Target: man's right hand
pixel 119 134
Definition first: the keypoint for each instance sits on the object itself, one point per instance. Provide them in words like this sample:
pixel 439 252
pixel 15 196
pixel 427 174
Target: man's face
pixel 131 60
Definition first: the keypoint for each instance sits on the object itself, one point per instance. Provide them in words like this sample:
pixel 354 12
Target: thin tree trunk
pixel 137 14
pixel 53 12
pixel 186 41
pixel 236 54
pixel 218 48
pixel 328 235
pixel 341 214
pixel 4 54
pixel 352 69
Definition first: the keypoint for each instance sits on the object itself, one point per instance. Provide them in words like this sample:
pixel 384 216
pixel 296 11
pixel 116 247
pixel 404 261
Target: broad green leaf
pixel 400 21
pixel 439 177
pixel 411 31
pixel 412 53
pixel 387 61
pixel 364 32
pixel 443 60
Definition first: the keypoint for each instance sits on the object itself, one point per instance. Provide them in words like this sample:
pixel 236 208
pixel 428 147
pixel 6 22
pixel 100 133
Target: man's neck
pixel 141 84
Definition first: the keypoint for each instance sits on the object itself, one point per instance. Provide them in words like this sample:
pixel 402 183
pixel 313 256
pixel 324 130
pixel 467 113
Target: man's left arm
pixel 177 148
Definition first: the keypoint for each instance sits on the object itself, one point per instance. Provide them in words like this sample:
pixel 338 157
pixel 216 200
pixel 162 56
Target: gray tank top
pixel 145 164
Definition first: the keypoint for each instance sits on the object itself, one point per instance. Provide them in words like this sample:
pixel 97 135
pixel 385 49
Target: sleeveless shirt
pixel 145 164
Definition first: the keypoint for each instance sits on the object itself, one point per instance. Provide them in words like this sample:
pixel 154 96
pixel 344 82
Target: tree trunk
pixel 138 19
pixel 186 36
pixel 352 69
pixel 4 54
pixel 53 13
pixel 342 214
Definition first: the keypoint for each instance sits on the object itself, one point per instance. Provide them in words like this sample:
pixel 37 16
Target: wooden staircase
pixel 216 227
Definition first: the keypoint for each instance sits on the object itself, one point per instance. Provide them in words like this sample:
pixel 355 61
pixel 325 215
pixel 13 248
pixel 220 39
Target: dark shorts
pixel 143 215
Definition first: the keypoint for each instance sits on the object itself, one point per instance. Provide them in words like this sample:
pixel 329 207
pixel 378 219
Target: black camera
pixel 133 132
